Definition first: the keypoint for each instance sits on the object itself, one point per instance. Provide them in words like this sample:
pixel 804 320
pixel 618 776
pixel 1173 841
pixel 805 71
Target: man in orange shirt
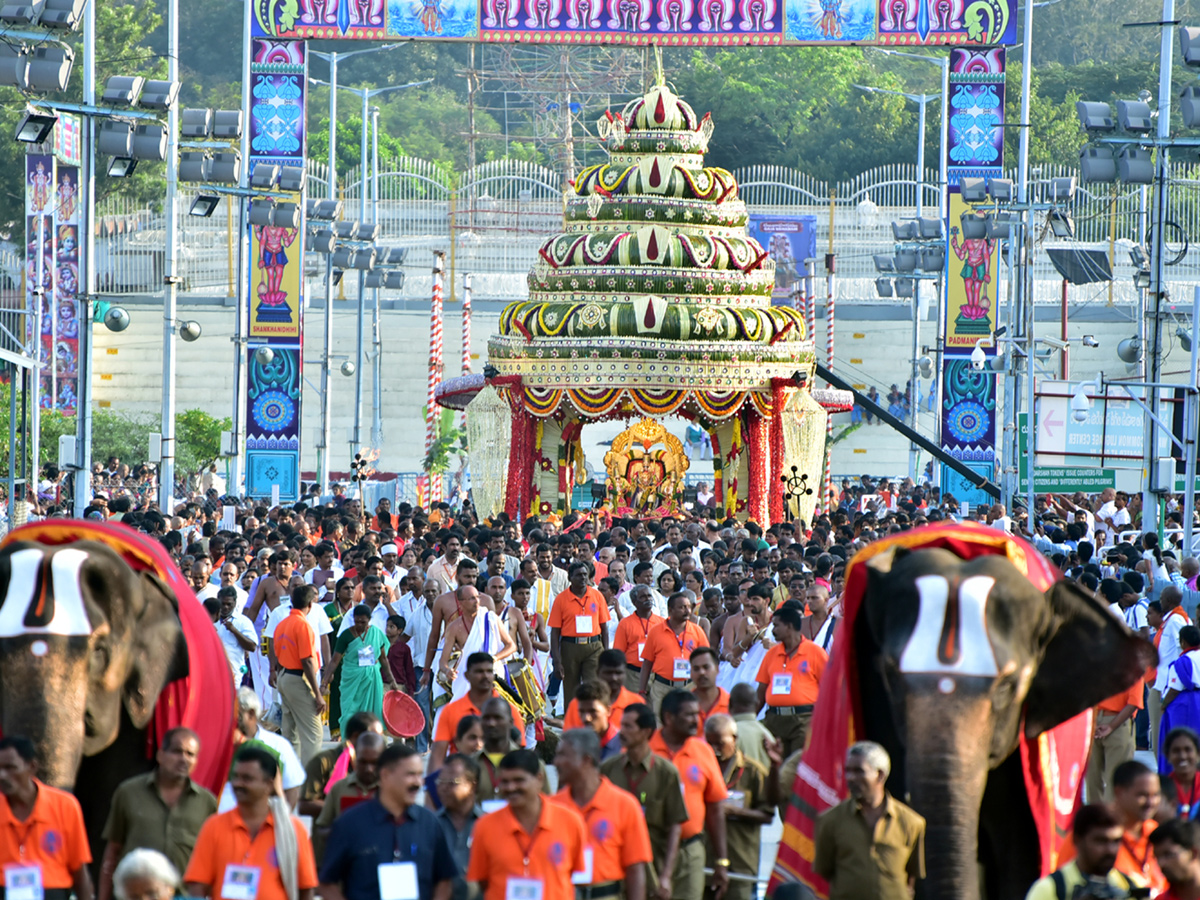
pixel 712 699
pixel 481 675
pixel 299 682
pixel 244 853
pixel 703 793
pixel 667 658
pixel 577 629
pixel 612 672
pixel 620 841
pixel 43 842
pixel 594 711
pixel 1136 795
pixel 1112 743
pixel 788 680
pixel 633 632
pixel 529 849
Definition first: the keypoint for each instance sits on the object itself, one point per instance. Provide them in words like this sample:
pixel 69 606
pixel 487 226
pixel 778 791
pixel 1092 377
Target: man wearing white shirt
pixel 643 572
pixel 236 632
pixel 291 771
pixel 393 573
pixel 328 569
pixel 198 576
pixel 372 588
pixel 418 626
pixel 316 617
pixel 229 578
pixel 1174 619
pixel 1124 602
pixel 1113 513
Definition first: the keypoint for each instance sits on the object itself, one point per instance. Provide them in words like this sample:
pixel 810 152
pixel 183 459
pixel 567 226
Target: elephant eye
pixel 98 660
pixel 1004 693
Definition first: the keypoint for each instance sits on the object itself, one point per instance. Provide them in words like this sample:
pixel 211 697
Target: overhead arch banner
pixel 637 22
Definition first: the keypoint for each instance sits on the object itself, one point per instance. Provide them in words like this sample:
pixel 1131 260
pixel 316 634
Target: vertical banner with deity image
pixel 975 149
pixel 64 336
pixel 278 74
pixel 789 240
pixel 40 265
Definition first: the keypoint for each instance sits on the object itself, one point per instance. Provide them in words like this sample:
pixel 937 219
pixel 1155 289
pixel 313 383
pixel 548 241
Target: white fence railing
pixel 491 220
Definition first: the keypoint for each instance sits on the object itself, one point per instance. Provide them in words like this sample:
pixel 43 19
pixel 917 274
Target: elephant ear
pixel 879 568
pixel 1089 656
pixel 159 651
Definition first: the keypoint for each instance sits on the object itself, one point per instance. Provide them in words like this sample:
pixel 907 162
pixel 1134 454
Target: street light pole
pixel 166 486
pixel 376 344
pixel 236 487
pixel 83 443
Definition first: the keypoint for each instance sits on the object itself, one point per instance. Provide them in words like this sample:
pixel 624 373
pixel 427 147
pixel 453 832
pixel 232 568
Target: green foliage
pixel 448 440
pixel 198 440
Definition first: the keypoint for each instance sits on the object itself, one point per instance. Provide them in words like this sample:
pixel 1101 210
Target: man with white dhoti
pixel 476 630
pixel 751 640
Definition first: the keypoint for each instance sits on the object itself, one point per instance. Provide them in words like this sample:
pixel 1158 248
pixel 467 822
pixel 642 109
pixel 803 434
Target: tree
pixel 198 440
pixel 448 440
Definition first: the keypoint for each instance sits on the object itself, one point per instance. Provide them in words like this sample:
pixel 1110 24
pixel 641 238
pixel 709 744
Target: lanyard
pixel 1185 808
pixel 682 637
pixel 1141 863
pixel 635 783
pixel 397 824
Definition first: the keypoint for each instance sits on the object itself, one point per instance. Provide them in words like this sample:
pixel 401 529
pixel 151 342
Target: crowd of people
pixel 666 671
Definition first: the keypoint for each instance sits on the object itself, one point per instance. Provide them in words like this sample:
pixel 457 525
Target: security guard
pixel 788 680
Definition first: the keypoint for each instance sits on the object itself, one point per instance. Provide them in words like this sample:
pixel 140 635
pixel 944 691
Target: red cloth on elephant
pixel 837 720
pixel 202 700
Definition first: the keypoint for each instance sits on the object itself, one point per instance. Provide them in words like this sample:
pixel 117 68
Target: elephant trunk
pixel 946 774
pixel 45 683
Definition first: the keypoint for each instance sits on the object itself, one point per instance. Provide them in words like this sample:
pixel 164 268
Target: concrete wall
pixel 873 346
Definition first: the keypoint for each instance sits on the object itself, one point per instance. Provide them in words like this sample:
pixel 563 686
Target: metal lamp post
pixel 922 101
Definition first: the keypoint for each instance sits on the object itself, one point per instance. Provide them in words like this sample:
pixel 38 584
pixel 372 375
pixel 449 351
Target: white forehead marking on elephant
pixel 39 648
pixel 967 626
pixel 70 615
pixel 946 685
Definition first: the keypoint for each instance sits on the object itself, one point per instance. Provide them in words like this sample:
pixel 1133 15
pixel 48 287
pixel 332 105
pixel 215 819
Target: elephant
pixel 956 660
pixel 96 628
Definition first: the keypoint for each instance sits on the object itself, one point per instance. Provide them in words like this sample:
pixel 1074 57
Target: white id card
pixel 584 877
pixel 583 625
pixel 642 650
pixel 23 882
pixel 524 889
pixel 681 669
pixel 398 881
pixel 735 798
pixel 366 657
pixel 491 806
pixel 781 684
pixel 241 882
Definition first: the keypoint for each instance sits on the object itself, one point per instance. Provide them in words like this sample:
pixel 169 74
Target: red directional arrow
pixel 1051 422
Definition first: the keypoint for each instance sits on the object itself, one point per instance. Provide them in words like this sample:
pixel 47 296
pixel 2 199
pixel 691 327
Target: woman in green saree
pixel 361 652
pixel 340 606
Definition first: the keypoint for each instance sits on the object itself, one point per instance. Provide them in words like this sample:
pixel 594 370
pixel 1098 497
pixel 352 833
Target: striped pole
pixel 429 487
pixel 829 324
pixel 810 269
pixel 466 325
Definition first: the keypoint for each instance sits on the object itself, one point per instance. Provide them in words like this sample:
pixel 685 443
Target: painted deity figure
pixel 831 19
pixel 67 196
pixel 976 254
pixel 273 243
pixel 40 182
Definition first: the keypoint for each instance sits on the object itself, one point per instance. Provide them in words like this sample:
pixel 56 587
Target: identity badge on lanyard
pixel 366 657
pixel 23 883
pixel 398 881
pixel 681 669
pixel 781 683
pixel 241 883
pixel 524 889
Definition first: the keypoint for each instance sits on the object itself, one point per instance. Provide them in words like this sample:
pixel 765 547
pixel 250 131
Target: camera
pixel 1096 888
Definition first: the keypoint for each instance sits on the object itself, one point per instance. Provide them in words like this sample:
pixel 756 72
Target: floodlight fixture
pixel 66 15
pixel 1062 190
pixel 226 167
pixel 393 280
pixel 320 241
pixel 121 166
pixel 1138 257
pixel 204 206
pixel 933 260
pixel 973 190
pixel 123 90
pixel 905 260
pixel 1130 349
pixel 286 215
pixel 1189 46
pixel 1134 116
pixel 261 212
pixel 195 123
pixel 264 176
pixel 50 68
pixel 905 287
pixel 1097 165
pixel 999 226
pixel 116 318
pixel 397 255
pixel 1001 189
pixel 343 258
pixel 159 95
pixel 35 128
pixel 373 279
pixel 27 13
pixel 1095 118
pixel 1189 106
pixel 1141 279
pixel 1135 166
pixel 1185 338
pixel 1061 224
pixel 974 228
pixel 116 138
pixel 368 231
pixel 884 263
pixel 931 229
pixel 364 259
pixel 14 67
pixel 227 124
pixel 194 166
pixel 883 287
pixel 906 231
pixel 150 142
pixel 291 179
pixel 346 231
pixel 322 210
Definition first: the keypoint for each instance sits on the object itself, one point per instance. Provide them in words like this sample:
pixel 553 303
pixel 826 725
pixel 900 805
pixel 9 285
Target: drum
pixel 524 685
